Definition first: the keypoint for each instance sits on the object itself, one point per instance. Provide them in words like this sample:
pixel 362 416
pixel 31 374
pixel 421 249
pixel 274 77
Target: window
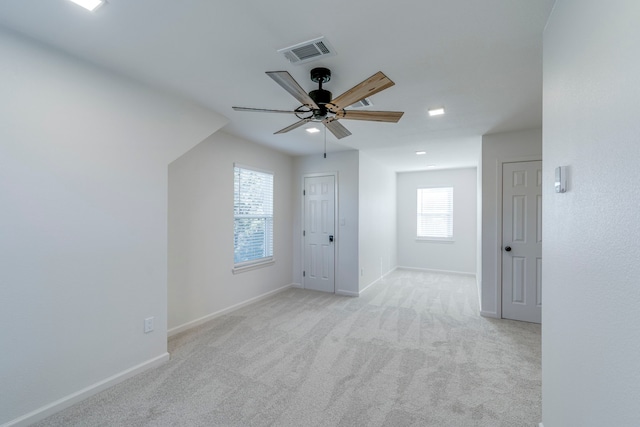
pixel 435 213
pixel 253 217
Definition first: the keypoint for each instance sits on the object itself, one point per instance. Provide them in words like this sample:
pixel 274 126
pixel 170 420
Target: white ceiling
pixel 481 60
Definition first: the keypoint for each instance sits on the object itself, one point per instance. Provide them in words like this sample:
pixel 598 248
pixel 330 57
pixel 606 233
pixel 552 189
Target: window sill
pixel 253 266
pixel 428 240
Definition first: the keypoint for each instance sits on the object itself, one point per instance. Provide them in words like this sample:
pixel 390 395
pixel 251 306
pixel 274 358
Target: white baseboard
pixel 430 270
pixel 370 285
pixel 347 293
pixel 357 294
pixel 297 285
pixel 204 319
pixel 60 404
pixel 377 280
pixel 491 314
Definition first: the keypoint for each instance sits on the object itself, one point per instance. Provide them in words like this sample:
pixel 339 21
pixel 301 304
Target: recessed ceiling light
pixel 90 5
pixel 436 112
pixel 430 166
pixel 313 130
pixel 420 153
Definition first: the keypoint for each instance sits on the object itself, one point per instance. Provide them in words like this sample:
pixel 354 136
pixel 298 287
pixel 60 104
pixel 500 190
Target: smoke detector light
pixel 436 112
pixel 90 5
pixel 313 130
pixel 420 153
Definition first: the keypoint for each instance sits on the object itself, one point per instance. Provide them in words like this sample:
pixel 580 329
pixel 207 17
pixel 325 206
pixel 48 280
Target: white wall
pixel 591 310
pixel 377 224
pixel 201 283
pixel 479 225
pixel 457 256
pixel 83 224
pixel 498 149
pixel 345 163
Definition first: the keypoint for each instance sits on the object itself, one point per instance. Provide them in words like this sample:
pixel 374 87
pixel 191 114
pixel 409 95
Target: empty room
pixel 339 214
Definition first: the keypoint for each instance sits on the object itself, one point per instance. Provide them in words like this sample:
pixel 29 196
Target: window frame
pixel 254 263
pixel 450 215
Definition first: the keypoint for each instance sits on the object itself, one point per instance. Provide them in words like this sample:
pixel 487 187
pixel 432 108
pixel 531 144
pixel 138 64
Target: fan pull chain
pixel 325 141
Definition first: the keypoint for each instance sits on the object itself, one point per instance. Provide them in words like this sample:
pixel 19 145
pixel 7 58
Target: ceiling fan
pixel 318 105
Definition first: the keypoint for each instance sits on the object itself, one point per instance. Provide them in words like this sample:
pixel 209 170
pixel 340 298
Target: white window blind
pixel 253 216
pixel 435 213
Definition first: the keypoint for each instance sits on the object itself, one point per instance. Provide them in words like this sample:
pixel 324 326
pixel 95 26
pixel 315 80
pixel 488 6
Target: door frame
pixel 336 227
pixel 498 272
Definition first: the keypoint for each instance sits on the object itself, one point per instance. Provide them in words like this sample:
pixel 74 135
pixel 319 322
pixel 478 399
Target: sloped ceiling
pixel 480 60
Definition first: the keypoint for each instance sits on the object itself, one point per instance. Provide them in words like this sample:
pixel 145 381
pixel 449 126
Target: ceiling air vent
pixel 364 102
pixel 308 51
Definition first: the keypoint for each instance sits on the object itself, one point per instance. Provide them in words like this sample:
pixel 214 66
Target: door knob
pixel 331 238
pixel 507 248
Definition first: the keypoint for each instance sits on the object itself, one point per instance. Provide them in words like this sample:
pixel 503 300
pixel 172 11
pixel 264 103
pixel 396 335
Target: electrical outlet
pixel 148 325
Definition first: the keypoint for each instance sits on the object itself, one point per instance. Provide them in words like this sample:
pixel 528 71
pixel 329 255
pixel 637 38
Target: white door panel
pixel 319 233
pixel 522 241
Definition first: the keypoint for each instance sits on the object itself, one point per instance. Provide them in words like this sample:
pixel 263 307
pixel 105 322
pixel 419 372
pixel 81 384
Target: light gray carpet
pixel 411 351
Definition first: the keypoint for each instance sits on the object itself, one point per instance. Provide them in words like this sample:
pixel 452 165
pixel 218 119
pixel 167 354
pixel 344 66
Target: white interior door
pixel 319 233
pixel 522 241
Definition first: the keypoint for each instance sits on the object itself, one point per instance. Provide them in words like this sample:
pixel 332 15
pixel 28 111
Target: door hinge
pixel 304 233
pixel 304 192
pixel 304 273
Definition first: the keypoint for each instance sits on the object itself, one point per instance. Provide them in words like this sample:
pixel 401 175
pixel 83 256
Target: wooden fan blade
pixel 262 110
pixel 293 126
pixel 375 116
pixel 288 83
pixel 336 128
pixel 372 85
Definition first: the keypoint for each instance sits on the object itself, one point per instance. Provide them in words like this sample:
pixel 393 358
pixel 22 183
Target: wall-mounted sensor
pixel 561 179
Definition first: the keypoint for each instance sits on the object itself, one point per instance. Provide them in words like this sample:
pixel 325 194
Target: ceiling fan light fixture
pixel 313 130
pixel 320 106
pixel 90 5
pixel 436 111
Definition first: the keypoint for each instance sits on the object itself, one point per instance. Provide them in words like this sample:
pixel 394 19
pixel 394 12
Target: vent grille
pixel 308 51
pixel 365 102
pixel 322 48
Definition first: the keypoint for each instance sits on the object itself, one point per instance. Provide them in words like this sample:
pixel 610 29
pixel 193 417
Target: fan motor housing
pixel 320 75
pixel 320 97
